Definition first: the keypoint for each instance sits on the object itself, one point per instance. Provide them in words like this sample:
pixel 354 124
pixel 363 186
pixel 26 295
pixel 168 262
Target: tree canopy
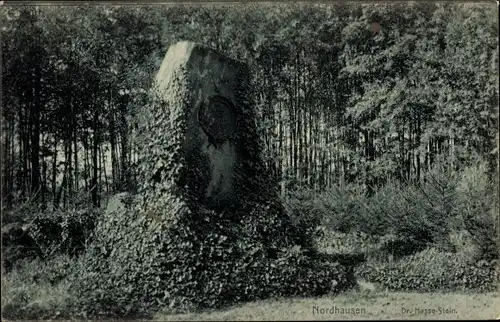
pixel 338 102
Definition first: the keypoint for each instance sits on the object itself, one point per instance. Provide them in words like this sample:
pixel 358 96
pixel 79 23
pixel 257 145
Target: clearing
pixel 361 305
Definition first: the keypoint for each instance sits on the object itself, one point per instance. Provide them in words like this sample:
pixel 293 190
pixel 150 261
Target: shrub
pixel 423 212
pixel 464 246
pixel 17 214
pixel 434 212
pixel 432 270
pixel 343 208
pixel 379 211
pixel 304 214
pixel 478 202
pixel 62 230
pixel 416 215
pixel 337 209
pixel 333 242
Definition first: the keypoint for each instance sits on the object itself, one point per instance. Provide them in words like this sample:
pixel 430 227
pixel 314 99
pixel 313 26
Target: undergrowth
pixel 440 235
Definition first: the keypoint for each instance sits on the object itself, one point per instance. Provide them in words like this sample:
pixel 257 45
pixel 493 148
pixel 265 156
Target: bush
pixel 432 270
pixel 449 210
pixel 333 242
pixel 62 230
pixel 397 210
pixel 478 202
pixel 420 214
pixel 416 215
pixel 304 214
pixel 337 209
pixel 464 246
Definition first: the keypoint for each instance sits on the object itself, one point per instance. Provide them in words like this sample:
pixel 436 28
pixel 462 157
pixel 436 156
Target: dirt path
pixel 359 306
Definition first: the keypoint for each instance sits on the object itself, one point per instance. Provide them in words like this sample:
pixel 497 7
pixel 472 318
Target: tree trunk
pixel 86 163
pixel 75 152
pixel 54 173
pixel 419 133
pixel 7 164
pixel 281 150
pixel 112 141
pixel 94 192
pixel 43 186
pixel 124 158
pixel 67 171
pixel 102 168
pixel 69 162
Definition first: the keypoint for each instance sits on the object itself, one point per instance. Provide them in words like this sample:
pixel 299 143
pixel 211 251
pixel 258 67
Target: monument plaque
pixel 218 119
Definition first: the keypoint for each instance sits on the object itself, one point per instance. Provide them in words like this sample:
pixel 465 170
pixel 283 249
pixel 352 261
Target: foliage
pixel 431 270
pixel 416 216
pixel 17 245
pixel 190 265
pixel 304 214
pixel 478 198
pixel 66 231
pixel 337 102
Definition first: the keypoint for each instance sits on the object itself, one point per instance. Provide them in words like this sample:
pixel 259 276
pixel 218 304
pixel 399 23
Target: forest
pixel 338 103
pixel 352 100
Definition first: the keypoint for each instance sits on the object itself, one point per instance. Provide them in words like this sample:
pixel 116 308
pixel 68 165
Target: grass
pixel 35 291
pixel 42 300
pixel 27 292
pixel 370 305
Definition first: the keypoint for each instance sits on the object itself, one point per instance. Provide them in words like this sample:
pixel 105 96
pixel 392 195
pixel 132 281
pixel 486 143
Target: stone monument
pixel 206 97
pixel 206 226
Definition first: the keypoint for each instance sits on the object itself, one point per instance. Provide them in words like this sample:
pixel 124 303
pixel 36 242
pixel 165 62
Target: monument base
pixel 138 264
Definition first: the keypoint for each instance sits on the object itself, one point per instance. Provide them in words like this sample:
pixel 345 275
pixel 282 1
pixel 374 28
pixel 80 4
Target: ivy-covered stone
pixel 206 227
